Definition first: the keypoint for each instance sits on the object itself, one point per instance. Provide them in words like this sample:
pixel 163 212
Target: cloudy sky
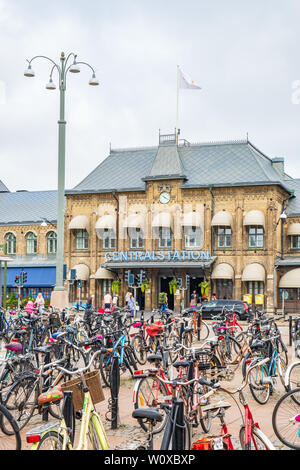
pixel 245 55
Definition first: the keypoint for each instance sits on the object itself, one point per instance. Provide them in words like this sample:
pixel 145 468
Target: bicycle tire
pixel 6 415
pixel 256 439
pixel 98 441
pixel 139 349
pixel 287 400
pixel 256 388
pixel 151 402
pixel 51 437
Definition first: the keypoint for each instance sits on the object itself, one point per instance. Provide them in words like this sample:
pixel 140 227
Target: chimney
pixel 278 165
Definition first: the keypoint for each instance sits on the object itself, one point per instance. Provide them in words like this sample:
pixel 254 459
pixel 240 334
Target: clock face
pixel 164 198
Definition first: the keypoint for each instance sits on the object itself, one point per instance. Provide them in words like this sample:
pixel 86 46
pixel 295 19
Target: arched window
pixel 31 243
pixel 52 243
pixel 82 240
pixel 11 244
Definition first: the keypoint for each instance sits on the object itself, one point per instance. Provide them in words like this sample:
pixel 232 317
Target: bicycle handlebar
pixel 84 369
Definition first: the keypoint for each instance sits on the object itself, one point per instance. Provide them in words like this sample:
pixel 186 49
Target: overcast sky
pixel 245 55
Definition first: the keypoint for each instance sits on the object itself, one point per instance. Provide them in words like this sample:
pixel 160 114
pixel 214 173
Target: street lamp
pixel 59 297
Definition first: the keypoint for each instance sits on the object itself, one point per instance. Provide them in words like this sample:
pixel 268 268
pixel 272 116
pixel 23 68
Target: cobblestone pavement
pixel 129 431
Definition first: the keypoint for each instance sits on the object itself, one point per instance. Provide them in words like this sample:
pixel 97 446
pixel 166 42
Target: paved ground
pixel 129 430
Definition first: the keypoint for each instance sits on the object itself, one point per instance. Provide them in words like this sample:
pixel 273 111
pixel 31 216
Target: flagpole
pixel 177 109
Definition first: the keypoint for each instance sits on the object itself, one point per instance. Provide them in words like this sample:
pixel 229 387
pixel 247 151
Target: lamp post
pixel 59 297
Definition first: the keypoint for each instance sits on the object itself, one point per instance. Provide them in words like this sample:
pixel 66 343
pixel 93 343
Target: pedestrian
pixel 214 297
pixel 40 302
pixel 131 305
pixel 107 300
pixel 115 300
pixel 90 303
pixel 194 299
pixel 127 297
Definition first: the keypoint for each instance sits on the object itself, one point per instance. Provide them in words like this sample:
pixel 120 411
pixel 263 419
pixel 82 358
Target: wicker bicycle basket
pixel 76 386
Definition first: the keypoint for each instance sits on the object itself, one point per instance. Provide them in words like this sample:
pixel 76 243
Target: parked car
pixel 214 307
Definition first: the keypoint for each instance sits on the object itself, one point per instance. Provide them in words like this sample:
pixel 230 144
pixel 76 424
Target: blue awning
pixel 36 277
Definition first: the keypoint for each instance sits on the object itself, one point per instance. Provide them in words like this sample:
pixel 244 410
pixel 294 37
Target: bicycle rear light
pixel 138 372
pixel 33 439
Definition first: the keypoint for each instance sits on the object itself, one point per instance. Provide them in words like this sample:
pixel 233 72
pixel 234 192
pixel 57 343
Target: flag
pixel 185 83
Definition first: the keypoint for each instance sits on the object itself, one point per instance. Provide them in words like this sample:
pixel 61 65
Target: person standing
pixel 115 300
pixel 194 299
pixel 107 300
pixel 127 297
pixel 40 302
pixel 214 297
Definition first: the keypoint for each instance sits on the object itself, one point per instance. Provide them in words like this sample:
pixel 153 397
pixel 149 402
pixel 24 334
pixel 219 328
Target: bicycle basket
pixel 155 328
pixel 204 362
pixel 76 386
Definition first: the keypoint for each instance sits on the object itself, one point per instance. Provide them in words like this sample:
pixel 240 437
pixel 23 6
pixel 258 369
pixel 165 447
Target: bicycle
pixel 286 419
pixel 61 435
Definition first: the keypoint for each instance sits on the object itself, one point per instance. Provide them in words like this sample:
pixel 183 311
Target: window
pixel 109 239
pixel 295 242
pixel 255 287
pixel 224 288
pixel 11 244
pixel 224 237
pixel 82 240
pixel 193 237
pixel 165 237
pixel 31 243
pixel 136 238
pixel 52 243
pixel 256 237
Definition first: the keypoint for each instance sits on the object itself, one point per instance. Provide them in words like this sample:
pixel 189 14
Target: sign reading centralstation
pixel 182 255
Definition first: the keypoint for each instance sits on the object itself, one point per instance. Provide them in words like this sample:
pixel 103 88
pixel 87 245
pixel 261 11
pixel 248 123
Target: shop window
pixel 109 239
pixel 224 238
pixel 82 240
pixel 193 237
pixel 52 243
pixel 31 244
pixel 256 237
pixel 295 242
pixel 136 238
pixel 165 237
pixel 11 244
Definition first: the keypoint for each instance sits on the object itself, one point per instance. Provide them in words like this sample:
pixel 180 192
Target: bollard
pixel 290 330
pixel 115 387
pixel 179 434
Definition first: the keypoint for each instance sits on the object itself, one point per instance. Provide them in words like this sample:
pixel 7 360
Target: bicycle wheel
pixel 139 349
pixel 228 348
pixel 151 393
pixel 51 441
pixel 21 400
pixel 204 331
pixel 256 443
pixel 105 366
pixel 285 419
pixel 260 390
pixel 13 442
pixel 294 380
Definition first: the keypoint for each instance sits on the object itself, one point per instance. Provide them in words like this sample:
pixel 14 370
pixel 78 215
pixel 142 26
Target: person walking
pixel 107 300
pixel 131 305
pixel 127 297
pixel 40 302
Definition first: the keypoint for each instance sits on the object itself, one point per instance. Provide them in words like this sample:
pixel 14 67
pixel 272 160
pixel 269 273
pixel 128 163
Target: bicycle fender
pixel 34 446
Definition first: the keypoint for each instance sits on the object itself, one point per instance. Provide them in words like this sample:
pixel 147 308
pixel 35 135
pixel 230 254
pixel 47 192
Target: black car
pixel 209 309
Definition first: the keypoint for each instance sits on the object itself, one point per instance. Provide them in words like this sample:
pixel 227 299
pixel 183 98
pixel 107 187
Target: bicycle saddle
pixel 15 347
pixel 51 396
pixel 150 414
pixel 43 349
pixel 180 364
pixel 154 358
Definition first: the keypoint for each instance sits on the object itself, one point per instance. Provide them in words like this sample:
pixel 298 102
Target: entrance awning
pixel 81 222
pixel 254 272
pixel 163 219
pixel 293 229
pixel 82 272
pixel 223 271
pixel 103 273
pixel 134 221
pixel 254 218
pixel 290 280
pixel 192 219
pixel 106 222
pixel 222 219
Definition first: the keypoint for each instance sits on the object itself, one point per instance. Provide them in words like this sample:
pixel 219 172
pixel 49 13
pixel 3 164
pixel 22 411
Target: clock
pixel 164 198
